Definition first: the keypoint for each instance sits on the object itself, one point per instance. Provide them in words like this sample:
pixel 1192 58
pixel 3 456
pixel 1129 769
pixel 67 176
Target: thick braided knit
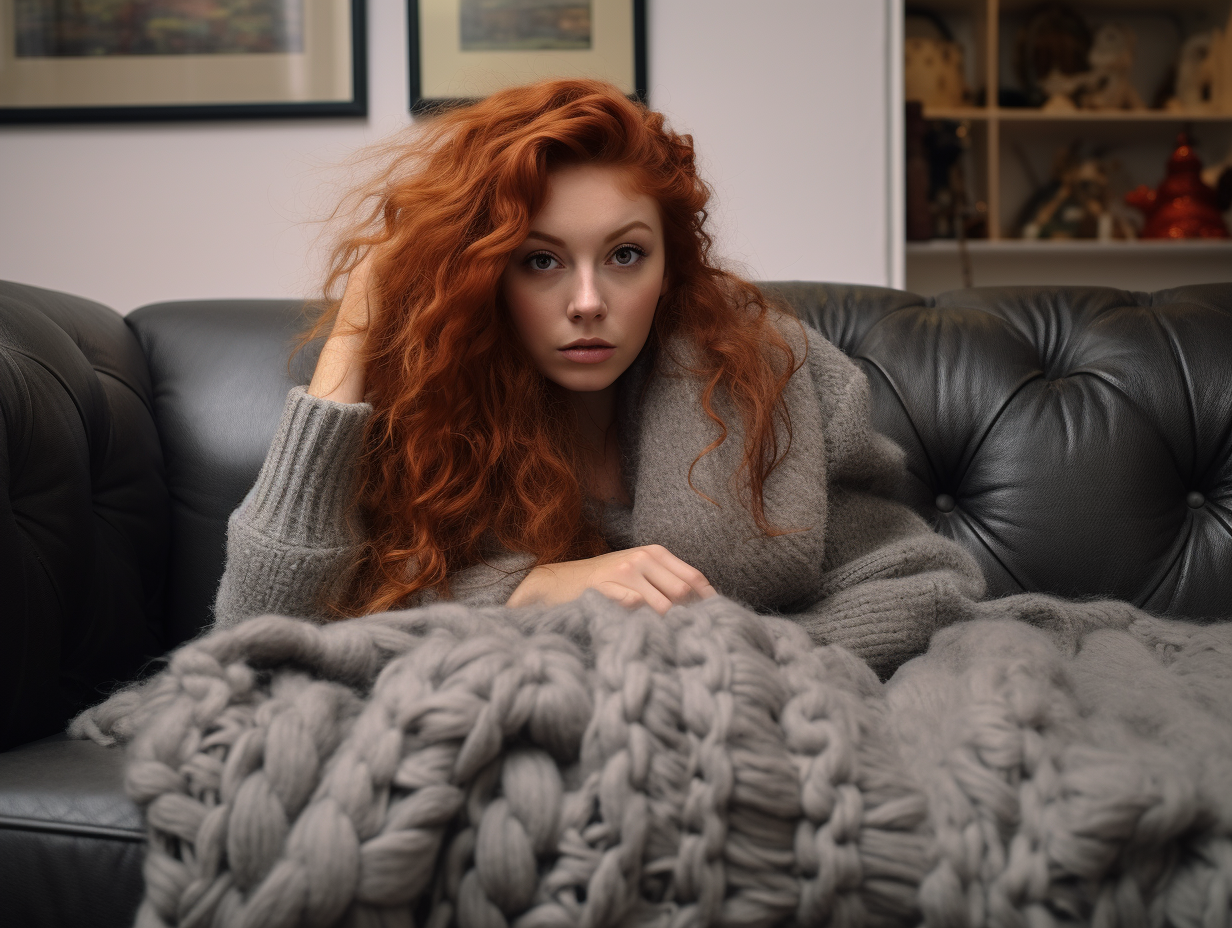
pixel 1072 789
pixel 594 767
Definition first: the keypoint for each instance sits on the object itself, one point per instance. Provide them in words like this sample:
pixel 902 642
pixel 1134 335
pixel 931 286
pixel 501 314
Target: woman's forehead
pixel 595 188
pixel 621 175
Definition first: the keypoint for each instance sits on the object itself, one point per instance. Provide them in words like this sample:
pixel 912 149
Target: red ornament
pixel 1183 206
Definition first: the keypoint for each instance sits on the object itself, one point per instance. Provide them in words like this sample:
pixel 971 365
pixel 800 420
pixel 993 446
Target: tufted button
pixel 945 502
pixel 1195 500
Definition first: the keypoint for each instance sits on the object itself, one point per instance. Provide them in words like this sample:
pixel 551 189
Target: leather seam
pixel 1190 394
pixel 71 829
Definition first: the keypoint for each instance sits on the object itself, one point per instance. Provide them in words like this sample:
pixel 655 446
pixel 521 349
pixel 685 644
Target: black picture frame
pixel 356 105
pixel 421 104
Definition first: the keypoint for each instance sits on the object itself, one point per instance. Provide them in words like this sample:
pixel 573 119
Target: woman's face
pixel 582 289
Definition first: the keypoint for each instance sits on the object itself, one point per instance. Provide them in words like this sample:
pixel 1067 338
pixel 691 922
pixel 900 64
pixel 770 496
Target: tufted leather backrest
pixel 1058 433
pixel 84 521
pixel 1077 440
pixel 220 376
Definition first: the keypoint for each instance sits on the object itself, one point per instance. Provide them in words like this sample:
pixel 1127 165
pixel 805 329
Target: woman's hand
pixel 650 575
pixel 339 375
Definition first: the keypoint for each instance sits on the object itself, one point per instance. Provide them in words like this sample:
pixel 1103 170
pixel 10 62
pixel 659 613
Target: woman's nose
pixel 587 301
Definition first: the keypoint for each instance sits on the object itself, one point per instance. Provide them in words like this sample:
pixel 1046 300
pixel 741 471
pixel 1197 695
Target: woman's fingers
pixel 633 597
pixel 649 575
pixel 690 576
pixel 668 582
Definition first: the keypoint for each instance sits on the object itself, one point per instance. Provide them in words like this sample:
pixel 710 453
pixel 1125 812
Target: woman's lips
pixel 588 354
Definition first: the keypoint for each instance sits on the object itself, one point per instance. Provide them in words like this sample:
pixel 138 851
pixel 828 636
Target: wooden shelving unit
pixel 1011 114
pixel 1011 149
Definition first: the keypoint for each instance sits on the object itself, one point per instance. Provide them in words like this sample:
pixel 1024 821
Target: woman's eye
pixel 541 262
pixel 626 255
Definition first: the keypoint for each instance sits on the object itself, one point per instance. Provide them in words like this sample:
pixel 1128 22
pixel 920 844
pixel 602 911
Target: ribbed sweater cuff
pixel 883 631
pixel 887 622
pixel 304 487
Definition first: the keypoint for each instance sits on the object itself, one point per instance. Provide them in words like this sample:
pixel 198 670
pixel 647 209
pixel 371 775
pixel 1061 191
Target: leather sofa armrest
pixel 84 521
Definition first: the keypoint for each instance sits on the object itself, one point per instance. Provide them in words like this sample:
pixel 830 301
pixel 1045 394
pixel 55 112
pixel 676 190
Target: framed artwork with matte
pixel 133 60
pixel 463 50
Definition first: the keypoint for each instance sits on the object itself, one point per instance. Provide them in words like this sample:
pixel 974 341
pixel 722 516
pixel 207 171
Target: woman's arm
pixel 339 374
pixel 289 540
pixel 889 581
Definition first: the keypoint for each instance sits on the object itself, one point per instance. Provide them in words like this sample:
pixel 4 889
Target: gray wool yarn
pixel 590 766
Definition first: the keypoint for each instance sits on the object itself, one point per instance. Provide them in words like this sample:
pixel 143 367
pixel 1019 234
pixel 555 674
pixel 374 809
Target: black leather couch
pixel 1078 441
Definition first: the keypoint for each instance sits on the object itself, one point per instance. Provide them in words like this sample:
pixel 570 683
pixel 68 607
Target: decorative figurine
pixel 1192 93
pixel 1183 206
pixel 1204 73
pixel 1052 46
pixel 933 69
pixel 953 214
pixel 1106 85
pixel 1075 203
pixel 1218 69
pixel 1060 88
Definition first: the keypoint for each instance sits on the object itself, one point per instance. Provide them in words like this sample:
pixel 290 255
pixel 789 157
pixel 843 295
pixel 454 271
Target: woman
pixel 539 382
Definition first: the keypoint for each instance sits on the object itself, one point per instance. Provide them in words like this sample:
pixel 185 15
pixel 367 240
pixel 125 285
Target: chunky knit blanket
pixel 590 766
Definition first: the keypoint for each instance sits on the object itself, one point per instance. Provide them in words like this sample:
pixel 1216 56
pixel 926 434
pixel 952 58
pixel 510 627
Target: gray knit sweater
pixel 859 569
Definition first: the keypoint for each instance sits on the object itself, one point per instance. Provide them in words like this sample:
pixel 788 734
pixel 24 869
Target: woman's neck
pixel 595 412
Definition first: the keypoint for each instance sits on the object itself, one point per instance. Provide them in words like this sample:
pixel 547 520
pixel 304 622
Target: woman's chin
pixel 592 381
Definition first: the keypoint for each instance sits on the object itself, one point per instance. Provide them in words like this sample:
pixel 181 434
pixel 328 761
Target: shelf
pixel 958 112
pixel 1011 114
pixel 1010 153
pixel 1112 6
pixel 934 267
pixel 1139 247
pixel 1028 115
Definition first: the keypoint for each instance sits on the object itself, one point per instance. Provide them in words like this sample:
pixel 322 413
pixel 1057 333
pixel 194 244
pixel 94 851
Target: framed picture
pixel 462 50
pixel 125 60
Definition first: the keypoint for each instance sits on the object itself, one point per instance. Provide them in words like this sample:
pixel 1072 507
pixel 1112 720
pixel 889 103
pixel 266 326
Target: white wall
pixel 786 100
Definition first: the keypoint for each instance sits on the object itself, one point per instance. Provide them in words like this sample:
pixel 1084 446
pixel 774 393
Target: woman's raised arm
pixel 339 374
pixel 290 541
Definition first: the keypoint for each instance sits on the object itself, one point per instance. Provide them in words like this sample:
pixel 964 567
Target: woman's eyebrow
pixel 623 230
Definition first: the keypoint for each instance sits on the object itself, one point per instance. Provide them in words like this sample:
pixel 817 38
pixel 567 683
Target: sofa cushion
pixel 1049 430
pixel 85 519
pixel 220 372
pixel 71 841
pixel 1077 440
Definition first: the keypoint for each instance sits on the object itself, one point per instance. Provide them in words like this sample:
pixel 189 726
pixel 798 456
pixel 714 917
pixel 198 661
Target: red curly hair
pixel 469 444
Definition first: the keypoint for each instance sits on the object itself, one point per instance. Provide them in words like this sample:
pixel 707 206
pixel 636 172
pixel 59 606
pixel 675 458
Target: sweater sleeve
pixel 889 581
pixel 289 540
